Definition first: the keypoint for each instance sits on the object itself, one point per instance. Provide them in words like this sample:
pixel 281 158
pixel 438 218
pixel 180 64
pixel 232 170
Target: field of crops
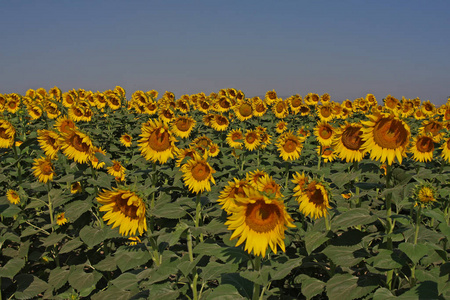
pixel 108 195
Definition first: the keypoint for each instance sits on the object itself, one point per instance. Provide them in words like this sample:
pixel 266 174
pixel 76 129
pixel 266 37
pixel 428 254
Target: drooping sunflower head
pixel 227 197
pixel 219 123
pixel 61 219
pixel 300 181
pixel 12 196
pixel 43 169
pixel 124 209
pixel 198 174
pixel 327 153
pixel 422 148
pixel 391 103
pixel 445 147
pixel 260 222
pixel 223 104
pixel 157 142
pixel 254 177
pixel 117 170
pixel 48 140
pixel 432 127
pixel 314 201
pixel 325 98
pixel 324 133
pixel 386 137
pixel 94 159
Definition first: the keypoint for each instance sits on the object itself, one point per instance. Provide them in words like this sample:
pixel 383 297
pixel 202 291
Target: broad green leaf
pixel 387 260
pixel 93 236
pixel 71 245
pixel 163 291
pixel 346 256
pixel 281 270
pixel 75 209
pixel 260 277
pixel 53 239
pixel 126 281
pixel 12 267
pixel 414 252
pixel 127 258
pixel 310 286
pixel 169 211
pixel 423 290
pixel 82 281
pixel 354 217
pixel 107 264
pixel 113 293
pixel 225 292
pixel 214 270
pixel 383 294
pixel 244 286
pixel 58 277
pixel 314 239
pixel 11 211
pixel 29 286
pixel 347 286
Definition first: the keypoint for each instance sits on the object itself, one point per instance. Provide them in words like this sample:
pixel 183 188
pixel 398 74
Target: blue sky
pixel 345 48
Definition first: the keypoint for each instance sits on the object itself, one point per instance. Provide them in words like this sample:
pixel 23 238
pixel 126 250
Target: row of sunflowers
pixel 271 173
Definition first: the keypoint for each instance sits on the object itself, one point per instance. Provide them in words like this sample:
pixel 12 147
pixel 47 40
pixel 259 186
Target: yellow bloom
pixel 13 197
pixel 183 126
pixel 126 140
pixel 422 148
pixel 48 140
pixel 290 146
pixel 243 110
pixel 76 145
pixel 324 133
pixel 7 134
pixel 446 150
pixel 219 123
pixel 259 222
pixel 157 142
pixel 197 174
pixel 117 170
pixel 227 198
pixel 124 209
pixel 347 142
pixel 75 187
pixel 314 201
pixel 61 219
pixel 43 169
pixel 251 140
pixel 280 109
pixel 235 138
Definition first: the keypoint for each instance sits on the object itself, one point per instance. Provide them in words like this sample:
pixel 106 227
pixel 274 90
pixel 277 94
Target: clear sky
pixel 344 48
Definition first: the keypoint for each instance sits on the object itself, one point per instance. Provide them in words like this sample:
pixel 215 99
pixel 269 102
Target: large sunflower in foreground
pixel 64 125
pixel 259 222
pixel 197 174
pixel 386 137
pixel 76 145
pixel 314 199
pixel 347 142
pixel 157 142
pixel 227 198
pixel 422 148
pixel 43 169
pixel 124 209
pixel 290 146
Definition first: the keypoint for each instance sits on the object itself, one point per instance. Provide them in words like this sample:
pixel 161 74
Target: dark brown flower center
pixel 390 133
pixel 262 217
pixel 351 138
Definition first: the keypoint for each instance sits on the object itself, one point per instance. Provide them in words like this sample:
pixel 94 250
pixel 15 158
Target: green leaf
pixel 244 286
pixel 107 264
pixel 58 277
pixel 113 293
pixel 314 239
pixel 12 267
pixel 353 217
pixel 83 282
pixel 53 239
pixel 169 211
pixel 93 236
pixel 11 211
pixel 75 209
pixel 225 292
pixel 71 245
pixel 383 294
pixel 346 286
pixel 346 256
pixel 29 286
pixel 414 252
pixel 424 290
pixel 163 291
pixel 126 281
pixel 282 269
pixel 387 260
pixel 310 286
pixel 127 258
pixel 260 277
pixel 214 270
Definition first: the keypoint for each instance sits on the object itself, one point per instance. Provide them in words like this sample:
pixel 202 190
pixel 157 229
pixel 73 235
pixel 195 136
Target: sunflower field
pixel 222 196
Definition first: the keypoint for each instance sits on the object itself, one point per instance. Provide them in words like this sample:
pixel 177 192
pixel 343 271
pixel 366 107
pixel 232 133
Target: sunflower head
pixel 126 140
pixel 61 219
pixel 13 196
pixel 425 193
pixel 157 142
pixel 43 169
pixel 290 146
pixel 324 133
pixel 198 174
pixel 314 199
pixel 422 148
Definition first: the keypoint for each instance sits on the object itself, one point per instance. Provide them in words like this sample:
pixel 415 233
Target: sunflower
pixel 425 193
pixel 203 105
pixel 113 101
pixel 157 142
pixel 348 104
pixel 34 111
pixel 289 146
pixel 51 108
pixel 391 103
pixel 213 150
pixel 386 137
pixel 280 109
pixel 76 145
pixel 96 164
pixel 428 108
pixel 251 140
pixel 269 187
pixel 75 187
pixel 259 222
pixel 126 140
pixel 446 150
pixel 255 176
pixel 223 104
pixel 300 181
pixel 243 110
pixel 295 102
pixel 432 127
pixel 422 148
pixel 325 112
pixel 227 197
pixel 43 169
pixel 76 113
pixel 61 219
pixel 219 123
pixel 197 174
pixel 117 170
pixel 303 132
pixel 64 125
pixel 186 153
pixel 259 107
pixel 347 142
pixel 265 138
pixel 419 115
pixel 124 209
pixel 202 141
pixel 12 105
pixel 326 152
pixel 271 97
pixel 48 140
pixel 7 134
pixel 13 197
pixel 68 100
pixel 281 126
pixel 314 200
pixel 183 104
pixel 324 133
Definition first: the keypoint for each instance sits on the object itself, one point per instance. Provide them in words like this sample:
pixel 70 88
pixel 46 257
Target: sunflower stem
pixel 198 211
pixel 389 225
pixel 287 175
pixel 194 270
pixel 50 206
pixel 19 166
pixel 355 169
pixel 256 268
pixel 320 159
